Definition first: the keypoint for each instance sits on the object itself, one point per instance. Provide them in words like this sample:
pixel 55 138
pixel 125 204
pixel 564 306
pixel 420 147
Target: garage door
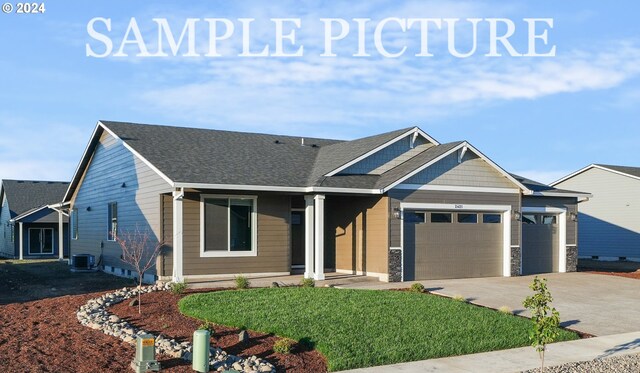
pixel 540 243
pixel 446 244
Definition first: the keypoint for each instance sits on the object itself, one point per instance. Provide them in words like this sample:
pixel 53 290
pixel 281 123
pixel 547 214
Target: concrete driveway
pixel 590 303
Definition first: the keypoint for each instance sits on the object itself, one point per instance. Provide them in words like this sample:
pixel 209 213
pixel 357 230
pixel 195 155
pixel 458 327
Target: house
pixel 30 222
pixel 610 221
pixel 398 206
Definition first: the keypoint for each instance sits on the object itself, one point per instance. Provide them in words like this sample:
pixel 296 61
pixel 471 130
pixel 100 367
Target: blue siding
pixel 138 201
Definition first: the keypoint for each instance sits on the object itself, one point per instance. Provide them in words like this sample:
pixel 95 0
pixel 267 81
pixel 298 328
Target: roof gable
pixel 633 172
pixel 27 195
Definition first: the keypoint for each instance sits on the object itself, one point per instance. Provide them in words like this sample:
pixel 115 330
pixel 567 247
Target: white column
pixel 21 242
pixel 319 237
pixel 308 236
pixel 177 236
pixel 60 235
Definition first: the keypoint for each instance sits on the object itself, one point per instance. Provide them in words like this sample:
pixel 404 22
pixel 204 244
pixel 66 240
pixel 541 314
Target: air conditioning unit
pixel 83 262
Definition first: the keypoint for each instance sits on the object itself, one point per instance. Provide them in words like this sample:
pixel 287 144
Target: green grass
pixel 361 328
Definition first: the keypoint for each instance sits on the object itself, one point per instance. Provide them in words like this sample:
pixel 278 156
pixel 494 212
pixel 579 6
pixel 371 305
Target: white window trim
pixel 53 249
pixel 254 228
pixel 111 238
pixel 73 221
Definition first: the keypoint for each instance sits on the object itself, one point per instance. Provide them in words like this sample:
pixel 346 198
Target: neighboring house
pixel 610 221
pixel 398 206
pixel 30 224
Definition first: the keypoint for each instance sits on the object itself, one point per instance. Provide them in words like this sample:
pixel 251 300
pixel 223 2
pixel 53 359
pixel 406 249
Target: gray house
pixel 396 206
pixel 31 225
pixel 610 220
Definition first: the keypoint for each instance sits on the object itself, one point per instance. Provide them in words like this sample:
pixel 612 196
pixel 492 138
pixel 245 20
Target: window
pixel 548 219
pixel 415 217
pixel 441 217
pixel 40 241
pixel 528 219
pixel 73 216
pixel 112 221
pixel 228 226
pixel 491 218
pixel 467 218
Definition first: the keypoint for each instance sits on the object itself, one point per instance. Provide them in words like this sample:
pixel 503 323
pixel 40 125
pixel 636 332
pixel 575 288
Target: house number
pixel 459 206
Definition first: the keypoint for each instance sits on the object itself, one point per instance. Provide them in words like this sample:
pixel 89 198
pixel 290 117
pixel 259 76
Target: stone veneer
pixel 395 265
pixel 572 258
pixel 516 261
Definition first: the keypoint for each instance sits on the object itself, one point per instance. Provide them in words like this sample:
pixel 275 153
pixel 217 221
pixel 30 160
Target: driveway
pixel 594 304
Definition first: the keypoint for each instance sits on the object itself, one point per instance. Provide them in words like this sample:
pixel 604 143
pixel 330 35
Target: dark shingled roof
pixel 633 171
pixel 536 186
pixel 192 155
pixel 25 195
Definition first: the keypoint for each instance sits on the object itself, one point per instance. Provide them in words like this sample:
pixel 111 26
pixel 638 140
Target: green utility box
pixel 145 360
pixel 201 350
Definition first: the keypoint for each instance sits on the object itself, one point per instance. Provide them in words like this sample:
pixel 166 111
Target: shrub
pixel 207 326
pixel 242 282
pixel 307 283
pixel 178 287
pixel 417 288
pixel 459 298
pixel 284 346
pixel 505 309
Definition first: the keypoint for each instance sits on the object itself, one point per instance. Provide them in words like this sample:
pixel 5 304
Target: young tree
pixel 139 251
pixel 545 319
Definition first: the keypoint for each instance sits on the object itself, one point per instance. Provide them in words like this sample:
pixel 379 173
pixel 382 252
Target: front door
pixel 40 241
pixel 297 239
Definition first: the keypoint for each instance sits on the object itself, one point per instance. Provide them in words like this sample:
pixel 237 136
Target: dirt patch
pixel 161 316
pixel 29 280
pixel 635 275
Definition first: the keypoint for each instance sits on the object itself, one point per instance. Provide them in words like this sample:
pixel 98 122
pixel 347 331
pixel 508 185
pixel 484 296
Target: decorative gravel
pixel 616 364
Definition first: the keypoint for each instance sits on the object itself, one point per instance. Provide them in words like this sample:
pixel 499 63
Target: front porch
pixel 332 279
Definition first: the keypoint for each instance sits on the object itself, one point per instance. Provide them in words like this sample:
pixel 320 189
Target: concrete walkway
pixel 519 359
pixel 331 278
pixel 591 303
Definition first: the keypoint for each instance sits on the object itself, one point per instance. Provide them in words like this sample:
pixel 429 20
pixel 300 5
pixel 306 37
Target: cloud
pixel 310 92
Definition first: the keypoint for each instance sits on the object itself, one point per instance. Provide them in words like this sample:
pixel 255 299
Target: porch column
pixel 60 236
pixel 21 242
pixel 308 236
pixel 177 236
pixel 319 237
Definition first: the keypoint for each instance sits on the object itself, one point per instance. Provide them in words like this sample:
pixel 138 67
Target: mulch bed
pixel 45 336
pixel 635 275
pixel 160 315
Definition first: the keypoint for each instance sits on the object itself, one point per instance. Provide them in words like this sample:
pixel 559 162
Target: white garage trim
pixel 506 221
pixel 562 235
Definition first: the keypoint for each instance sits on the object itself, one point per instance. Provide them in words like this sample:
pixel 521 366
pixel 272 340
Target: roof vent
pixel 302 141
pixel 314 145
pixel 277 142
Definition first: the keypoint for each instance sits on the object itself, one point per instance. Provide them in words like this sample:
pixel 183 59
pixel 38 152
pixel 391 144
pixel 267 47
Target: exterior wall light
pixel 517 215
pixel 573 216
pixel 397 213
pixel 88 208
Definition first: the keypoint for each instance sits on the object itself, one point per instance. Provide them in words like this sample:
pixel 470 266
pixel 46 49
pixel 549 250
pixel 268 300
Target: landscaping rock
pixel 93 314
pixel 275 285
pixel 243 336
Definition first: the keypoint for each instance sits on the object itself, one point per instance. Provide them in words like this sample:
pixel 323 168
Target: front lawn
pixel 361 328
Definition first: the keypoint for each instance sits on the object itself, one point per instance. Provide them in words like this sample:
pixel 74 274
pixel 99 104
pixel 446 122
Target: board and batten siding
pixel 608 223
pixel 570 204
pixel 273 238
pixel 7 248
pixel 397 196
pixel 357 231
pixel 111 166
